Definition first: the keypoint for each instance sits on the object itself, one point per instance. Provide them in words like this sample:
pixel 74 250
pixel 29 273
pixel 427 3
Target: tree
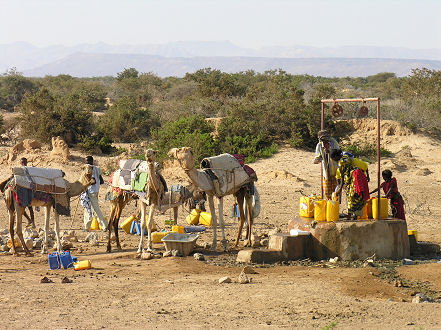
pixel 127 74
pixel 126 122
pixel 13 87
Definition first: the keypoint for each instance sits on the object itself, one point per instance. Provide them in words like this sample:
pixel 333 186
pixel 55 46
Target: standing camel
pixel 154 194
pixel 15 210
pixel 170 200
pixel 201 180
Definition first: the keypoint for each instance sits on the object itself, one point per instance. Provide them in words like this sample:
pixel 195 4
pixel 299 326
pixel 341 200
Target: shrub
pixel 126 122
pixel 191 131
pixel 367 151
pixel 43 116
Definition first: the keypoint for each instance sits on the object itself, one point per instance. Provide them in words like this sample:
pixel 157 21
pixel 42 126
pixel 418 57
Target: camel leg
pixel 142 206
pixel 115 227
pixel 249 201
pixel 20 211
pixel 57 230
pixel 214 219
pixel 12 216
pixel 45 247
pixel 222 223
pixel 240 198
pixel 149 228
pixel 175 215
pixel 113 207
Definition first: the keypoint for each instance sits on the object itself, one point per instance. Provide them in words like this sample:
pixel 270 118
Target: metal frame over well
pixel 363 100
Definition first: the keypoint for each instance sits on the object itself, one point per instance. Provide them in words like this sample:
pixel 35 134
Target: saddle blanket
pixel 49 180
pixel 131 175
pixel 228 171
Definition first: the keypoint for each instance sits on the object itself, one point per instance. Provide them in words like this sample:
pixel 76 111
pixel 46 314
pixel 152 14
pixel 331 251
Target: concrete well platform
pixel 352 240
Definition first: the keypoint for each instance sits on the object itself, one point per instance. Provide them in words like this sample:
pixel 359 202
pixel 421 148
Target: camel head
pixel 150 155
pixel 85 180
pixel 184 155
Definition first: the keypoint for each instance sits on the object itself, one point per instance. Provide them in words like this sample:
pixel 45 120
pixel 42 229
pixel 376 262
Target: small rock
pixel 66 280
pixel 113 238
pixel 176 253
pixel 207 246
pixel 333 260
pixel 73 239
pixel 37 243
pixel 274 231
pixel 91 236
pixel 199 256
pixel 248 270
pixel 390 300
pixel 167 254
pixel 46 280
pixel 243 278
pixel 66 245
pixel 29 243
pixel 398 283
pixel 4 232
pixel 255 241
pixel 93 242
pixel 4 248
pixel 419 298
pixel 146 256
pixel 224 279
pixel 264 242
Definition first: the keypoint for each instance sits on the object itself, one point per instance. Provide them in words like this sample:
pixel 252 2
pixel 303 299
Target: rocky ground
pixel 121 291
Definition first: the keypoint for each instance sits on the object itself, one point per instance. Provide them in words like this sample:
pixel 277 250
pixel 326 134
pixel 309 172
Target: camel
pixel 170 200
pixel 16 210
pixel 201 180
pixel 153 197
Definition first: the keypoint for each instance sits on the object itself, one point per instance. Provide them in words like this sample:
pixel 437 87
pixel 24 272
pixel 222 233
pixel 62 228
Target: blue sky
pixel 247 23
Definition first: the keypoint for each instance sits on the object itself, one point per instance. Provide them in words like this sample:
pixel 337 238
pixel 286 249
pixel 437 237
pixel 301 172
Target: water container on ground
pixel 320 210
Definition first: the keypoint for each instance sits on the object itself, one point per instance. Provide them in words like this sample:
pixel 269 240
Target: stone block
pixel 259 256
pixel 352 240
pixel 292 247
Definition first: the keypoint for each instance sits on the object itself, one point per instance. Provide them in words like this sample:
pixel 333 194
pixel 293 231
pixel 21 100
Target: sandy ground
pixel 121 291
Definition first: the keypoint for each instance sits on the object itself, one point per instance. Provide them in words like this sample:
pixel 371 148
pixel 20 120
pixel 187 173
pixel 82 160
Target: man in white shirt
pixel 92 194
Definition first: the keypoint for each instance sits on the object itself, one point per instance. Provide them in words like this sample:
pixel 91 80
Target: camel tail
pixel 9 199
pixel 3 185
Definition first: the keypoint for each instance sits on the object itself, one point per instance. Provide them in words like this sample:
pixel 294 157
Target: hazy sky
pixel 248 23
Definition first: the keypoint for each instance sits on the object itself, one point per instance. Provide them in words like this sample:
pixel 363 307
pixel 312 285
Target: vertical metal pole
pixel 378 159
pixel 322 127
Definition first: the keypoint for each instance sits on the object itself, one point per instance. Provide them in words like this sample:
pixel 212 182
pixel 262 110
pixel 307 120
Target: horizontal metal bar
pixel 368 99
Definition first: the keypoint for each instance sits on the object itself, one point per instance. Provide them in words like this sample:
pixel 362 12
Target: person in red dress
pixel 390 188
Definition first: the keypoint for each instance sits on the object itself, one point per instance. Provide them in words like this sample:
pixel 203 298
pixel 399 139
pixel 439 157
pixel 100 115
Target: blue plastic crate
pixel 54 261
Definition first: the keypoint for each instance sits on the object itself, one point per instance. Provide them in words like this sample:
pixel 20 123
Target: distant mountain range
pixel 178 58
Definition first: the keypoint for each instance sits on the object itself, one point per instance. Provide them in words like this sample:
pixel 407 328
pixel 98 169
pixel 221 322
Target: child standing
pixel 390 188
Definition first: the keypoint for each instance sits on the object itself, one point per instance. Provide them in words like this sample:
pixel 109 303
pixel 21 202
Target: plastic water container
pixel 320 210
pixel 414 233
pixel 332 211
pixel 95 225
pixel 66 260
pixel 193 217
pixel 369 208
pixel 307 206
pixel 83 264
pixel 158 235
pixel 383 208
pixel 138 228
pixel 127 224
pixel 178 229
pixel 205 219
pixel 365 213
pixel 54 261
pixel 17 243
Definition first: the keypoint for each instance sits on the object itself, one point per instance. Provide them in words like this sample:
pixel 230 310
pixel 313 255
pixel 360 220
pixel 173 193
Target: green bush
pixel 126 122
pixel 192 132
pixel 43 116
pixel 367 151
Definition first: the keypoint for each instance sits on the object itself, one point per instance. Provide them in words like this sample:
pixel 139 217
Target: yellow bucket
pixel 193 217
pixel 369 208
pixel 95 225
pixel 17 243
pixel 178 229
pixel 320 210
pixel 414 233
pixel 383 206
pixel 127 224
pixel 306 206
pixel 332 211
pixel 83 264
pixel 158 235
pixel 205 219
